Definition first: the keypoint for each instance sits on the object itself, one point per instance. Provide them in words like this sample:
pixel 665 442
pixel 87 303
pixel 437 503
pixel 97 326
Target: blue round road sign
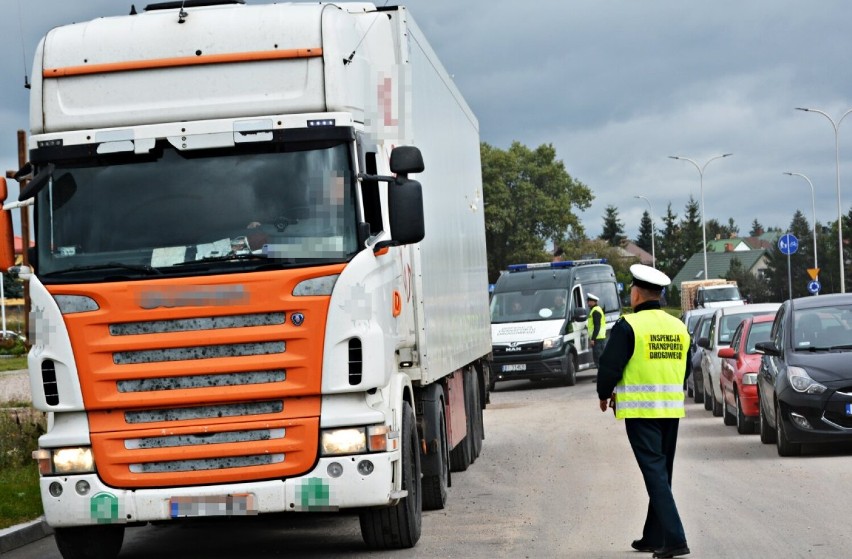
pixel 814 287
pixel 788 244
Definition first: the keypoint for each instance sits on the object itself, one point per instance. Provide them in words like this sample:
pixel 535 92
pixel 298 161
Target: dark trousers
pixel 654 442
pixel 597 351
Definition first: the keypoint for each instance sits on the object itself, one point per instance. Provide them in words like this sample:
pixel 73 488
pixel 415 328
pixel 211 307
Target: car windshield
pixel 530 305
pixel 169 211
pixel 823 328
pixel 729 323
pixel 759 332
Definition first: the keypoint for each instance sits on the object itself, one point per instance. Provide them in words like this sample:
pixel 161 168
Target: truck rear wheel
pixel 398 527
pixel 464 453
pixel 477 426
pixel 89 542
pixel 435 486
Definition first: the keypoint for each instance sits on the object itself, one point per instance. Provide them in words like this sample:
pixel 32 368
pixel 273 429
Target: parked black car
pixel 805 377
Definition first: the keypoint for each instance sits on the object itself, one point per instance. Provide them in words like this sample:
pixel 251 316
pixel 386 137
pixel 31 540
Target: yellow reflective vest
pixel 591 324
pixel 652 383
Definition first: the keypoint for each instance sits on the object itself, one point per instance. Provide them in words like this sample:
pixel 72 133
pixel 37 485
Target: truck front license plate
pixel 510 368
pixel 212 505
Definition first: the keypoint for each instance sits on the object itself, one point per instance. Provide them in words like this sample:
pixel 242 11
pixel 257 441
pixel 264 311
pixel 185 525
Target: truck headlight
pixel 354 440
pixel 552 343
pixel 802 382
pixel 59 461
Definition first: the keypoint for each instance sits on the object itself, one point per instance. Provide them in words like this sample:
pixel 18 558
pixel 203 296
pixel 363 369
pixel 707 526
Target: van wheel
pixel 398 527
pixel 570 372
pixel 89 542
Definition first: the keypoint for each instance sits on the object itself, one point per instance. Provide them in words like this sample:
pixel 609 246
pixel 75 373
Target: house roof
pixel 633 249
pixel 718 264
pixel 720 245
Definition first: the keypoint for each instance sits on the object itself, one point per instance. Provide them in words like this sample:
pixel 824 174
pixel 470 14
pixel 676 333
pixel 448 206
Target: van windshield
pixel 530 305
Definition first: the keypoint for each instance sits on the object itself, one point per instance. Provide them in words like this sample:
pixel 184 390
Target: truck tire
pixel 398 526
pixel 477 426
pixel 435 486
pixel 89 542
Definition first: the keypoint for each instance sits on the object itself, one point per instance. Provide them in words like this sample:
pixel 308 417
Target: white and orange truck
pixel 241 301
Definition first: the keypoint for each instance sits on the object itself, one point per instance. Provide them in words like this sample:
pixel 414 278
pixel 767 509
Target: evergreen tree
pixel 756 229
pixel 613 227
pixel 786 274
pixel 691 238
pixel 755 289
pixel 646 232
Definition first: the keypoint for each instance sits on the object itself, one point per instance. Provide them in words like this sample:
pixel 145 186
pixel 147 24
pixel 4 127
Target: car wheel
pixel 690 393
pixel 785 447
pixel 727 417
pixel 699 391
pixel 717 406
pixel 745 425
pixel 767 432
pixel 708 398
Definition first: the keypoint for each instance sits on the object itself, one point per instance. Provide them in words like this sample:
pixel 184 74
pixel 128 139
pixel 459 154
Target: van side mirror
pixel 580 315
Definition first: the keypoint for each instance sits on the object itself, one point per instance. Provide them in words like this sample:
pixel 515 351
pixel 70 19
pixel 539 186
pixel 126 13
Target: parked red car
pixel 740 363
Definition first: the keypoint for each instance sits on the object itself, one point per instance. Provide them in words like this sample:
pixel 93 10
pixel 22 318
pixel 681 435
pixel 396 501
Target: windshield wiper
pixel 145 269
pixel 224 258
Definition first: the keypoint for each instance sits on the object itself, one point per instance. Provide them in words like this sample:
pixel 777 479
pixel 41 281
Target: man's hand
pixel 591 343
pixel 604 404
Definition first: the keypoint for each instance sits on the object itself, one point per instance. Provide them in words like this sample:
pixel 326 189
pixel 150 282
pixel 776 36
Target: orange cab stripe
pixel 133 65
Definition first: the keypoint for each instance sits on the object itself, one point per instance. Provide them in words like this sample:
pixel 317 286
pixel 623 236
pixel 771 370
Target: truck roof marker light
pixel 555 265
pixel 199 60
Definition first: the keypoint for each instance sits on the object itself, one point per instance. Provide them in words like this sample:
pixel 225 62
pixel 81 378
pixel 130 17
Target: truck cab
pixel 718 296
pixel 538 318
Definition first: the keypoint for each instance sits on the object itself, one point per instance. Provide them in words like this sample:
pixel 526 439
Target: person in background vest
pixel 641 376
pixel 596 324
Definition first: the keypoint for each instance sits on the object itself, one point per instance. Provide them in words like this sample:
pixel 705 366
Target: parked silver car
pixel 722 326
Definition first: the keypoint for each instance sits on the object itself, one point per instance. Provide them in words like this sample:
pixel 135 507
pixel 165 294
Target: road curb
pixel 23 534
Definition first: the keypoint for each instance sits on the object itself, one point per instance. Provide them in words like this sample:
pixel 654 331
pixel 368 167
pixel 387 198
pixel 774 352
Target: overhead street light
pixel 703 221
pixel 836 126
pixel 651 214
pixel 813 207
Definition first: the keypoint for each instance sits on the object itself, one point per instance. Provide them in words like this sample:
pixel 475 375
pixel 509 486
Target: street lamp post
pixel 651 213
pixel 836 126
pixel 813 207
pixel 703 221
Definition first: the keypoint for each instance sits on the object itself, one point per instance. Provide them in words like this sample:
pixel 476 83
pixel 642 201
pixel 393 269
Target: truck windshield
pixel 719 294
pixel 196 212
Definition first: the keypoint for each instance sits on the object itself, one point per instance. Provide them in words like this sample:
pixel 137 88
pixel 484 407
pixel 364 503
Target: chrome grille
pixel 201 381
pixel 198 352
pixel 204 412
pixel 206 464
pixel 205 439
pixel 194 324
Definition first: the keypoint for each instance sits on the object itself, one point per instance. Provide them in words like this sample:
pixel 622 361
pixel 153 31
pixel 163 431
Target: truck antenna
pixel 349 58
pixel 23 47
pixel 182 15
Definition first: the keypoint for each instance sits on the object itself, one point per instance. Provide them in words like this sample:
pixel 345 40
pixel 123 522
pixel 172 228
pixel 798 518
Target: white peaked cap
pixel 648 277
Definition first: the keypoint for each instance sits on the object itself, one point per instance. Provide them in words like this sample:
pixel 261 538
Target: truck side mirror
pixel 406 159
pixel 405 205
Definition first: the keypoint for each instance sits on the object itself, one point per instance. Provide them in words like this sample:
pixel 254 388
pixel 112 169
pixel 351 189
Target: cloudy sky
pixel 616 86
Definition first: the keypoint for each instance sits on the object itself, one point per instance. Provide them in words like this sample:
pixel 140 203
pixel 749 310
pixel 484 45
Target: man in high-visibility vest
pixel 641 376
pixel 596 323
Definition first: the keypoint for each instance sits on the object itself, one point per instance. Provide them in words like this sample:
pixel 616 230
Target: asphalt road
pixel 556 478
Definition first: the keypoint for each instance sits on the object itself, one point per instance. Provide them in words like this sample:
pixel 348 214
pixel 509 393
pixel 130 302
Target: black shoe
pixel 641 545
pixel 672 551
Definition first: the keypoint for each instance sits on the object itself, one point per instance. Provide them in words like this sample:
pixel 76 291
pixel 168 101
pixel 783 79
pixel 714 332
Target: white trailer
pixel 237 309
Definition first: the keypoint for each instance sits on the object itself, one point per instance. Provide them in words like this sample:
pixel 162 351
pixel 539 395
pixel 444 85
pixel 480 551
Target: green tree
pixel 756 229
pixel 755 289
pixel 691 237
pixel 670 258
pixel 613 227
pixel 784 273
pixel 646 232
pixel 530 200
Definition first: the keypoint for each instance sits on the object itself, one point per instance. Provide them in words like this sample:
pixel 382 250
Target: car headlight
pixel 354 440
pixel 749 378
pixel 552 343
pixel 802 382
pixel 60 461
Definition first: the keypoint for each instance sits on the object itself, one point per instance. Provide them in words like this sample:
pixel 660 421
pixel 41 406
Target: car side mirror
pixel 767 348
pixel 726 352
pixel 703 342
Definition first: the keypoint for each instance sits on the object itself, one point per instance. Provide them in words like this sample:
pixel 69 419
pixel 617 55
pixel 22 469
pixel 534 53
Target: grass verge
pixel 20 428
pixel 13 363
